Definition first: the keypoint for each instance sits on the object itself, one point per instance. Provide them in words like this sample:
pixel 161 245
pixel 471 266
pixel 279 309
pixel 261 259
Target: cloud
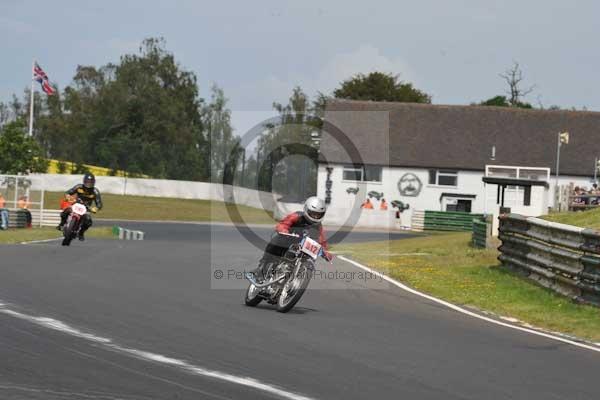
pixel 366 58
pixel 259 95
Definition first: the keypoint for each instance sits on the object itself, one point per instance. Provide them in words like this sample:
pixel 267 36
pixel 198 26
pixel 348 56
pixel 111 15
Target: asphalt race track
pixel 148 320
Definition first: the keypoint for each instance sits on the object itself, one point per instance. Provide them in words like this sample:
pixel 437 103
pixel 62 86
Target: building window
pixel 372 174
pixel 433 176
pixel 353 174
pixel 367 173
pixel 443 178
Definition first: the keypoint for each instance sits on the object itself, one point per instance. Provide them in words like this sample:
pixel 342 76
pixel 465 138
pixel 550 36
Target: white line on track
pixel 42 241
pixel 60 326
pixel 467 312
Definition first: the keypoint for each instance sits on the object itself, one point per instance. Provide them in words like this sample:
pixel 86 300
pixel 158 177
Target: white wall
pixel 343 204
pixel 345 207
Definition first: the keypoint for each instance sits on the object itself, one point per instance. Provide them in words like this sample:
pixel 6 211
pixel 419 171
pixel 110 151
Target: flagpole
pixel 31 103
pixel 557 191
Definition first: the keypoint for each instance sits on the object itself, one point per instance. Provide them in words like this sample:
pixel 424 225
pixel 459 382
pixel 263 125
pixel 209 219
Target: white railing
pixel 418 220
pixel 44 217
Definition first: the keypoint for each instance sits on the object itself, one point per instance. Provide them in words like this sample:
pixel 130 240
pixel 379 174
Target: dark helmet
pixel 89 180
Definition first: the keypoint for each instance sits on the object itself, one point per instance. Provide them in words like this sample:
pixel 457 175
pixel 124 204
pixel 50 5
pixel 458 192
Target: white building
pixel 433 157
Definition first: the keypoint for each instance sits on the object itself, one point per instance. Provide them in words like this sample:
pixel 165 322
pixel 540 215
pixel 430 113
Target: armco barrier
pixel 480 233
pixel 560 257
pixel 449 221
pixel 17 218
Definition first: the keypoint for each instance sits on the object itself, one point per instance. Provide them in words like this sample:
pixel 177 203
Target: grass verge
pixel 168 209
pixel 26 235
pixel 584 219
pixel 446 266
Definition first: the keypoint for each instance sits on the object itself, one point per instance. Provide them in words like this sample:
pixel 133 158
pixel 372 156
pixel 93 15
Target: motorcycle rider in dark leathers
pixel 296 222
pixel 89 195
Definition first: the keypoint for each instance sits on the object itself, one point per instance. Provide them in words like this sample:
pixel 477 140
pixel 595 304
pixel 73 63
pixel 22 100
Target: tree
pixel 379 86
pixel 4 113
pixel 19 154
pixel 224 146
pixel 513 78
pixel 288 149
pixel 142 114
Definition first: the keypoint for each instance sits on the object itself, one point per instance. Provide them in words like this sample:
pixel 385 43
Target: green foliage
pixel 502 101
pixel 288 149
pixel 379 86
pixel 62 167
pixel 225 149
pixel 19 154
pixel 79 169
pixel 498 101
pixel 514 81
pixel 142 115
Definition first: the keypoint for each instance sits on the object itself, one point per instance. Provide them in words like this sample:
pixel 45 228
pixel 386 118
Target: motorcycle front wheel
pixel 69 231
pixel 293 289
pixel 252 298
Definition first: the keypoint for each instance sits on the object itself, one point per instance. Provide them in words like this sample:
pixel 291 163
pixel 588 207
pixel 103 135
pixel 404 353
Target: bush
pixel 19 153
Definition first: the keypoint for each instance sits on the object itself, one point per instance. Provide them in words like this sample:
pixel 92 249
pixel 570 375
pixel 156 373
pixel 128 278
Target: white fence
pixel 45 217
pixel 418 220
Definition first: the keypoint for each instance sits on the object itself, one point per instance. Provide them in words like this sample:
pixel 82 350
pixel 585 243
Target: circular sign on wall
pixel 409 185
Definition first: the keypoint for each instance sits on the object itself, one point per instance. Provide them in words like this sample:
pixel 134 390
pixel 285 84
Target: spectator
pixel 594 192
pixel 3 213
pixel 367 204
pixel 383 205
pixel 24 205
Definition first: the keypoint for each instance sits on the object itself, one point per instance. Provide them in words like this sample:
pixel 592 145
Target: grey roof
pixel 461 137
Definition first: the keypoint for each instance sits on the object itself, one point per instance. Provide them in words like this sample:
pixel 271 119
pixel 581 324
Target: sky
pixel 257 51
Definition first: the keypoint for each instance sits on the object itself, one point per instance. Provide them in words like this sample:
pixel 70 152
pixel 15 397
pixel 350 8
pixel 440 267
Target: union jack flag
pixel 40 76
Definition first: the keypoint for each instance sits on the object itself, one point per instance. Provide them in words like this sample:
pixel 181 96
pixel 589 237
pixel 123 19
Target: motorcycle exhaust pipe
pixel 253 281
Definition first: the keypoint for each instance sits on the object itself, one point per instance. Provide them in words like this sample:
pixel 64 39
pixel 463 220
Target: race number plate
pixel 311 247
pixel 79 209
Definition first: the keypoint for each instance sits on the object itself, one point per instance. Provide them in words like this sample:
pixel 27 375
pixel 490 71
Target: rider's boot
pixel 81 236
pixel 63 220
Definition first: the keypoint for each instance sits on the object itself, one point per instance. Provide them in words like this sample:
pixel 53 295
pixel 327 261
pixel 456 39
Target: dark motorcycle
pixel 286 281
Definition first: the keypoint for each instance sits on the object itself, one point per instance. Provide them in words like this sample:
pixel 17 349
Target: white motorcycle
pixel 74 220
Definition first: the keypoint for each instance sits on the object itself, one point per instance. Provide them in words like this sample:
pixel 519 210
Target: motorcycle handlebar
pixel 288 234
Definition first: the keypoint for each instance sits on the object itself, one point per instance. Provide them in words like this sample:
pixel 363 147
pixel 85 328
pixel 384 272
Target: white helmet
pixel 314 209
